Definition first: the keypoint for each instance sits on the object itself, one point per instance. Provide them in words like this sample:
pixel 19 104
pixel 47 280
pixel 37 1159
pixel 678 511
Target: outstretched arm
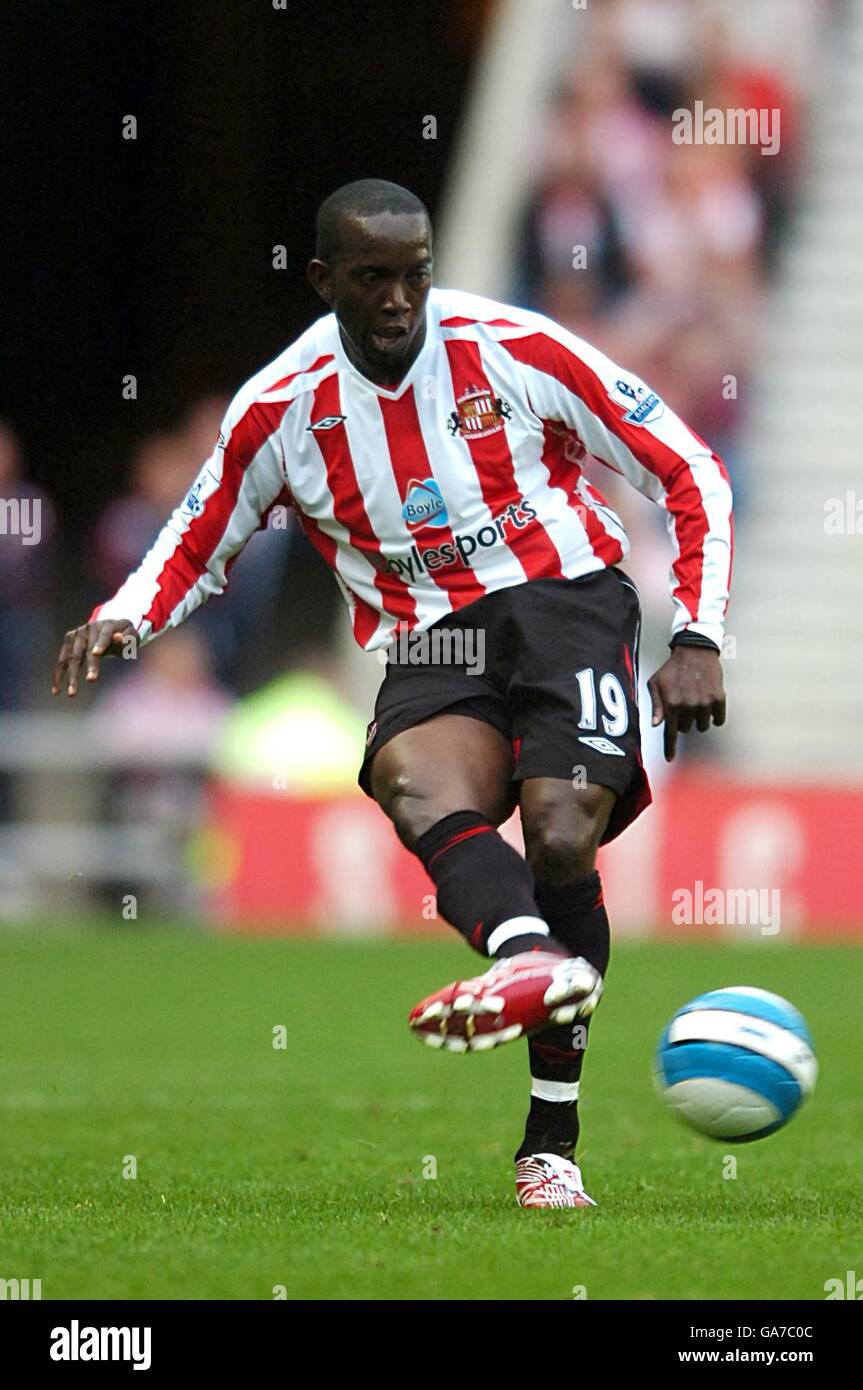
pixel 231 498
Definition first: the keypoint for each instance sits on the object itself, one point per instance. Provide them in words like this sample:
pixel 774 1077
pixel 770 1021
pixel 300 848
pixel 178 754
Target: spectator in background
pixel 170 706
pixel 27 552
pixel 721 79
pixel 572 226
pixel 128 525
pixel 653 39
pixel 596 157
pixel 163 468
pixel 166 716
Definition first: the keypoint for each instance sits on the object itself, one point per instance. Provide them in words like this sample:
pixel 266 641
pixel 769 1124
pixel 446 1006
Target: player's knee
pixel 556 858
pixel 409 806
pixel 561 845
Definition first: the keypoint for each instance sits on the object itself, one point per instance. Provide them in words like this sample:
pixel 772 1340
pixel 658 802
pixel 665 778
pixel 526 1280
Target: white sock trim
pixel 516 926
pixel 554 1090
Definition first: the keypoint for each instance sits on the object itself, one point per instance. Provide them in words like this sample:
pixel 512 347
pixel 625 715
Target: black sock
pixel 482 883
pixel 577 916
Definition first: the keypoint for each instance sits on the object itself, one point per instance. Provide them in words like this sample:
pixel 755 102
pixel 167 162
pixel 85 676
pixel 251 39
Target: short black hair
pixel 363 198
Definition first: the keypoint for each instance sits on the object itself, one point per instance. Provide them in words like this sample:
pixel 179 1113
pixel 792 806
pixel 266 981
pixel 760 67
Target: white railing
pixel 60 850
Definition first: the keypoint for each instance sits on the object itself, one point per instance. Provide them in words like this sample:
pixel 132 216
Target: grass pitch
pixel 305 1167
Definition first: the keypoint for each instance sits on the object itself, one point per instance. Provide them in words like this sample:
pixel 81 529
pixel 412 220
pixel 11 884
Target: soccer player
pixel 432 445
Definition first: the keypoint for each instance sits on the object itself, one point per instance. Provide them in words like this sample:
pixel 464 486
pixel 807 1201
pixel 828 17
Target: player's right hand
pixel 83 649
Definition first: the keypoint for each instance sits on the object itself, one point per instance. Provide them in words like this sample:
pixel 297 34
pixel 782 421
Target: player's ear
pixel 319 278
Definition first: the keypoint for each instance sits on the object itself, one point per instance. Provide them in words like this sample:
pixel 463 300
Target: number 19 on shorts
pixel 615 718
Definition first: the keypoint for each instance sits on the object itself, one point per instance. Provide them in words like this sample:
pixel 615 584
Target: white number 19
pixel 614 722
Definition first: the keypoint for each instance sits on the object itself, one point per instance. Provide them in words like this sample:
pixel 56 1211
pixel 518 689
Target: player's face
pixel 378 286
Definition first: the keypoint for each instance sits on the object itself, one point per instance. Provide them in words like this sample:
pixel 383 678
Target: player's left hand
pixel 687 690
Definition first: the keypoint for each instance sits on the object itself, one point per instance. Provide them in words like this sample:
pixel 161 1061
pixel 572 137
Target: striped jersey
pixel 466 478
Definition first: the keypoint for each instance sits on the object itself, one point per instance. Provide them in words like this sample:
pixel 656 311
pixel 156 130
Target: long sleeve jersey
pixel 466 478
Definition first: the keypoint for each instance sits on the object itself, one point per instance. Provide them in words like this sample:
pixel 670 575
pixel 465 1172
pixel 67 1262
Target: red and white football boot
pixel 547 1180
pixel 519 995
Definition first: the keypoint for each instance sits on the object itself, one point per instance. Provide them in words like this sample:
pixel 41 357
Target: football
pixel 736 1063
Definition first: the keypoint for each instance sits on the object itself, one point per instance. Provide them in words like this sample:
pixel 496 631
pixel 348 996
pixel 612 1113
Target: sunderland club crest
pixel 478 413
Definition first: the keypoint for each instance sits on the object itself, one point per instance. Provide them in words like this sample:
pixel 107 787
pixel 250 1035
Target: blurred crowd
pixel 660 253
pixel 162 469
pixel 188 682
pixel 28 527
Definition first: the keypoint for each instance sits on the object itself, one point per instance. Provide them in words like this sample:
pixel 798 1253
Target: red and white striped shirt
pixel 467 478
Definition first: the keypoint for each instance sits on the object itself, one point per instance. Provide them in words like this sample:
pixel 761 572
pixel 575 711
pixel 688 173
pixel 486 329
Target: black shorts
pixel 552 664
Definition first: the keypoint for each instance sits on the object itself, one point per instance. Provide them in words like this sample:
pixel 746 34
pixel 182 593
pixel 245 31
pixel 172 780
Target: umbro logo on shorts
pixel 603 745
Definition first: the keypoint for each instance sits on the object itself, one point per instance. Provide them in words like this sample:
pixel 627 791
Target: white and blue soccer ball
pixel 736 1063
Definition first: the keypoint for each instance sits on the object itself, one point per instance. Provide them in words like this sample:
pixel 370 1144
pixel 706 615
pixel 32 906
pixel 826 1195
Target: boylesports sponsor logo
pixel 463 546
pixel 424 504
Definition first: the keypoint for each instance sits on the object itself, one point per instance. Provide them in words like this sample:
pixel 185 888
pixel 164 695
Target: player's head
pixel 372 266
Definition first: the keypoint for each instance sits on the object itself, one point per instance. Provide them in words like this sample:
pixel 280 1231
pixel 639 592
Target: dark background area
pixel 154 256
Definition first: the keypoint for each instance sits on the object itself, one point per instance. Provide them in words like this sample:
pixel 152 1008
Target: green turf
pixel 303 1167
